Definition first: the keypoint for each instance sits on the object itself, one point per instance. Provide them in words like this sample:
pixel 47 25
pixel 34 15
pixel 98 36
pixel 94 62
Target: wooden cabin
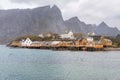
pixel 98 45
pixel 81 42
pixel 69 43
pixel 36 44
pixel 106 42
pixel 90 42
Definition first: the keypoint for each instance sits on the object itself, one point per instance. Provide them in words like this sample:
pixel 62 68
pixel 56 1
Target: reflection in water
pixel 31 64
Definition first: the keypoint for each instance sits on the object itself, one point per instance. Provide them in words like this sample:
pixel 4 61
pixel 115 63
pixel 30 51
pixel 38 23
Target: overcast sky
pixel 89 11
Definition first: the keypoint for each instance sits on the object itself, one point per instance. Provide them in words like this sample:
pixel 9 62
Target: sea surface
pixel 36 64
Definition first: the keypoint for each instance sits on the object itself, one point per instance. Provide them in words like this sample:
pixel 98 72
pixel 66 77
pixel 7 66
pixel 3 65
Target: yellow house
pixel 98 44
pixel 36 44
pixel 106 42
pixel 81 42
pixel 89 42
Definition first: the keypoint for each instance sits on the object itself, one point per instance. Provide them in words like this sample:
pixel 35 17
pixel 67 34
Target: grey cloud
pixel 117 16
pixel 20 1
pixel 66 1
pixel 101 10
pixel 114 20
pixel 35 2
pixel 0 7
pixel 42 1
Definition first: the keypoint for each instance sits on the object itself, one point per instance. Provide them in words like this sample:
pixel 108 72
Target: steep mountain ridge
pixel 19 22
pixel 104 29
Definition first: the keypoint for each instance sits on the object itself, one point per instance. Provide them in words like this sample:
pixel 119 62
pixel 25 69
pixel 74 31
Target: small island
pixel 67 41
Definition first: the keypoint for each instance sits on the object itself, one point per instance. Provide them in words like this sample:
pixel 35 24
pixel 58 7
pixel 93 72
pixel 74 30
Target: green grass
pixel 33 38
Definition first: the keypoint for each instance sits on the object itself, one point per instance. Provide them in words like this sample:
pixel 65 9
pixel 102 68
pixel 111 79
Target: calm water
pixel 31 64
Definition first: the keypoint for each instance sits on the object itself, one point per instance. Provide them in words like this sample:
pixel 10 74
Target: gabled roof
pixel 96 37
pixel 80 38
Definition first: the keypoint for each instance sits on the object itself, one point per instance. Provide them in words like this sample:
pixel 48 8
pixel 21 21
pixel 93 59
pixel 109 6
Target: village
pixel 67 41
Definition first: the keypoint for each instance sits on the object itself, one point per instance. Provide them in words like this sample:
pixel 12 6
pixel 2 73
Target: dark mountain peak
pixel 55 7
pixel 55 13
pixel 74 19
pixel 45 7
pixel 105 30
pixel 103 24
pixel 116 28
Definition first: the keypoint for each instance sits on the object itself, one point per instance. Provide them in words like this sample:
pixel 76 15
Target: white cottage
pixel 45 35
pixel 26 42
pixel 91 34
pixel 90 39
pixel 41 35
pixel 69 35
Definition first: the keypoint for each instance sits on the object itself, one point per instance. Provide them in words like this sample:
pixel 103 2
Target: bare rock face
pixel 19 22
pixel 118 37
pixel 104 29
pixel 76 25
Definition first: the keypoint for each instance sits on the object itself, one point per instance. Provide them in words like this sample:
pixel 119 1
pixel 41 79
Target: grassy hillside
pixel 33 38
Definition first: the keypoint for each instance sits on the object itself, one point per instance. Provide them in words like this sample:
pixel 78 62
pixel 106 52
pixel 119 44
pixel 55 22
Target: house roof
pixel 80 38
pixel 96 37
pixel 55 42
pixel 108 40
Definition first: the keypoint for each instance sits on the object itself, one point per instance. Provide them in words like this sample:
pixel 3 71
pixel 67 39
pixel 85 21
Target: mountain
pixel 73 24
pixel 118 38
pixel 76 25
pixel 104 29
pixel 19 22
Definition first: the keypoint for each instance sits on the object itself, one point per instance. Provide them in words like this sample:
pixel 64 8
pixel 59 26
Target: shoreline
pixel 64 48
pixel 112 49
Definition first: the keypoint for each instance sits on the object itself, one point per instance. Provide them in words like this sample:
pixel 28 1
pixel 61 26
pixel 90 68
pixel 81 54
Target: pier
pixel 63 48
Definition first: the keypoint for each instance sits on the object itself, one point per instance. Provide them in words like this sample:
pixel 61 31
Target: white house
pixel 89 39
pixel 45 35
pixel 27 42
pixel 69 35
pixel 91 34
pixel 41 35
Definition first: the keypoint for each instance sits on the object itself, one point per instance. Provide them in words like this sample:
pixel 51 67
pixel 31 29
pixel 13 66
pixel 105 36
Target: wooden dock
pixel 63 48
